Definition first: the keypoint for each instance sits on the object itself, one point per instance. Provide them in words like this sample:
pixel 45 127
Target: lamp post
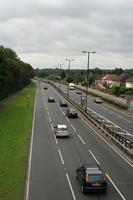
pixel 69 60
pixel 87 75
pixel 60 74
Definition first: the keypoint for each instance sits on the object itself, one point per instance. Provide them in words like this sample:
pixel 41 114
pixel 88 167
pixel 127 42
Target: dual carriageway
pixel 53 162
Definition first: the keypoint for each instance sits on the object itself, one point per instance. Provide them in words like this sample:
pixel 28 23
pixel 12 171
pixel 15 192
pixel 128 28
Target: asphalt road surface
pixel 54 161
pixel 120 118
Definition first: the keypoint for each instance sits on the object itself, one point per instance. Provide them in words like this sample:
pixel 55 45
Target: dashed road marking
pixel 115 186
pixel 70 185
pixel 73 128
pixel 93 156
pixel 61 156
pixel 81 139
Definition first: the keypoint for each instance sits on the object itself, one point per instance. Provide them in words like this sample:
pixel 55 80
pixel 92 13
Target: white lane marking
pixel 63 113
pixel 48 113
pixel 61 156
pixel 55 139
pixel 52 127
pixel 107 143
pixel 68 120
pixel 81 139
pixel 59 106
pixel 93 156
pixel 70 187
pixel 115 187
pixel 49 118
pixel 73 127
pixel 31 149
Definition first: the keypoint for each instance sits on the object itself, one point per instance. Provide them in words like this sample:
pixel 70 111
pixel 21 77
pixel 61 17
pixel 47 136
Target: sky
pixel 44 33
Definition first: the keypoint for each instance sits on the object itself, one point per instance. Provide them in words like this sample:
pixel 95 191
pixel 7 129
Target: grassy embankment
pixel 15 128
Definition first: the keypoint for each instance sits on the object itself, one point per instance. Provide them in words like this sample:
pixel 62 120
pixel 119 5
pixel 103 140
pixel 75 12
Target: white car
pixel 61 131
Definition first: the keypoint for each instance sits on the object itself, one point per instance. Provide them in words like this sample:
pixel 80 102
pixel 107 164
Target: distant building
pixel 121 79
pixel 129 82
pixel 109 80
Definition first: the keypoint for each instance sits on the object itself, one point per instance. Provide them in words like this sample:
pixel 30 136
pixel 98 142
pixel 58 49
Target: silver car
pixel 61 131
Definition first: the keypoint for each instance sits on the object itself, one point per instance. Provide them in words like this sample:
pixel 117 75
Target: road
pixel 54 161
pixel 120 118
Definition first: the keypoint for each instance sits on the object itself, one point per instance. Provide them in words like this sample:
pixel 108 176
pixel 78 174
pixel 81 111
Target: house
pixel 129 82
pixel 121 79
pixel 109 80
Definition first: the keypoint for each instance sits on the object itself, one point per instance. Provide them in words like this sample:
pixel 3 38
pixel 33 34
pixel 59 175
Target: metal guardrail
pixel 119 134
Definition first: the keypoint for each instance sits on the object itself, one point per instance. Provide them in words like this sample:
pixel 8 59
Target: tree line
pixel 78 75
pixel 14 73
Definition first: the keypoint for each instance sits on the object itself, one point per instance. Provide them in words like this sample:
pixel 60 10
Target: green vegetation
pixel 15 128
pixel 14 74
pixel 79 75
pixel 117 90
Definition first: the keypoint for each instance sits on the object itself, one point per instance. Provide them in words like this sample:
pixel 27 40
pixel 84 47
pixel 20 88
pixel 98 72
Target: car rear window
pixel 62 129
pixel 94 177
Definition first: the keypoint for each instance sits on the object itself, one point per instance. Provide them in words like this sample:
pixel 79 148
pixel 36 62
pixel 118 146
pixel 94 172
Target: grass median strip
pixel 15 128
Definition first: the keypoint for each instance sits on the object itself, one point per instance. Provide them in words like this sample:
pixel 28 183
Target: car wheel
pixel 82 189
pixel 77 177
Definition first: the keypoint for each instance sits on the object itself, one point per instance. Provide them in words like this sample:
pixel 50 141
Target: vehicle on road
pixel 51 99
pixel 71 86
pixel 91 178
pixel 63 103
pixel 45 87
pixel 72 113
pixel 97 100
pixel 78 92
pixel 61 131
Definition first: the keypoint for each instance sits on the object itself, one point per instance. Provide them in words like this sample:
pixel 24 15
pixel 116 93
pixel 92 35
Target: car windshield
pixel 94 177
pixel 62 129
pixel 98 98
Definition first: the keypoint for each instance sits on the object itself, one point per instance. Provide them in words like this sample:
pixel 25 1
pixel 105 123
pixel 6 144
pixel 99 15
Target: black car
pixel 72 113
pixel 45 87
pixel 78 92
pixel 63 103
pixel 91 178
pixel 51 99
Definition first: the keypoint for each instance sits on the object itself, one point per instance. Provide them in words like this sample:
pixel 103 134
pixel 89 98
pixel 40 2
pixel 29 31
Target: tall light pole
pixel 60 74
pixel 69 60
pixel 87 75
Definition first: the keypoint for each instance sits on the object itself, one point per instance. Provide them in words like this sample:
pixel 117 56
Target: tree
pixel 63 74
pixel 117 71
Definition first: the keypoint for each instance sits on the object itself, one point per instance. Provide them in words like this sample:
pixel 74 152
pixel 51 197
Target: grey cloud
pixel 61 28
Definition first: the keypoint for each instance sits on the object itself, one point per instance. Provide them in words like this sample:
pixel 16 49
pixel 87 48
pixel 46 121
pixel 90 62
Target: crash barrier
pixel 120 135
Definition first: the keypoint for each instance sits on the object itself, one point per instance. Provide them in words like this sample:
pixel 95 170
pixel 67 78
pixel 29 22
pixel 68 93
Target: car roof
pixel 72 109
pixel 62 126
pixel 51 97
pixel 92 169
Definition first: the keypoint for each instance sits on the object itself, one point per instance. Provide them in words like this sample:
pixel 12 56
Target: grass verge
pixel 15 128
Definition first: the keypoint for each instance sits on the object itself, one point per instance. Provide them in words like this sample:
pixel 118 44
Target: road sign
pixel 82 101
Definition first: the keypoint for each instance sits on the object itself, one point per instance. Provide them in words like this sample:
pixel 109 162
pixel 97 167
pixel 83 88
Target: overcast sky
pixel 46 32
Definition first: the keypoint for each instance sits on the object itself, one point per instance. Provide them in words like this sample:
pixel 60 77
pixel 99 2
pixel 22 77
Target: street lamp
pixel 60 74
pixel 69 60
pixel 87 75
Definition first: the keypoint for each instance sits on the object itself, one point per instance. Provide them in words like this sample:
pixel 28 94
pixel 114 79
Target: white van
pixel 71 86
